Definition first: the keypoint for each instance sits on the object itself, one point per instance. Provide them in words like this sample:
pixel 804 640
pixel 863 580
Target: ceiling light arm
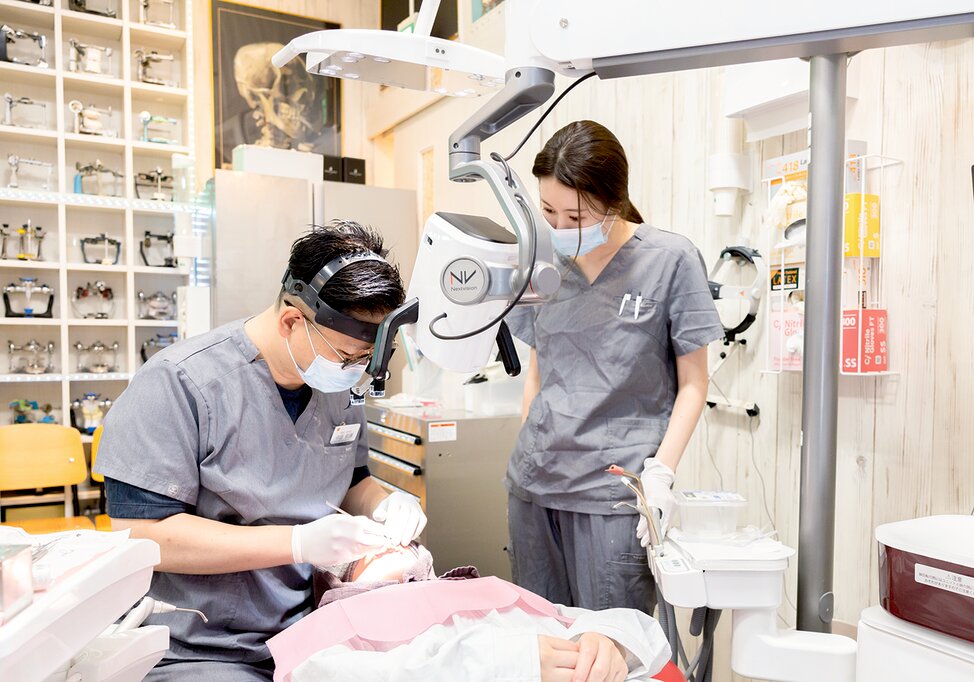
pixel 427 14
pixel 525 89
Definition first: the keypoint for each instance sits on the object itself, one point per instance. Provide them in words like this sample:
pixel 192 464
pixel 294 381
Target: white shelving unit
pixel 64 270
pixel 67 217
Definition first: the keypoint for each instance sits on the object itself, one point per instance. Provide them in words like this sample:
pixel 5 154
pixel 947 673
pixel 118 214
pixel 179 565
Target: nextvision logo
pixel 463 278
pixel 460 282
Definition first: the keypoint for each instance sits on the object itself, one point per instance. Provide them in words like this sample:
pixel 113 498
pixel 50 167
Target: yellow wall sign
pixel 861 226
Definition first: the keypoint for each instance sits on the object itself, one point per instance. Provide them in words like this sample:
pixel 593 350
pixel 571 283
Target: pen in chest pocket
pixel 625 300
pixel 636 307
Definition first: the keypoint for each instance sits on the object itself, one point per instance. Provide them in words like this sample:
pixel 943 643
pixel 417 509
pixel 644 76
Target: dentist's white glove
pixel 403 517
pixel 336 539
pixel 657 481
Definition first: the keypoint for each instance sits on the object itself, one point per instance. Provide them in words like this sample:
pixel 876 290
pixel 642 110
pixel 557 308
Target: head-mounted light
pixel 324 314
pixel 750 293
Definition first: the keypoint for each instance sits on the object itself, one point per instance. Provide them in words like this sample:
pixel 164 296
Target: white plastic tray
pixel 64 619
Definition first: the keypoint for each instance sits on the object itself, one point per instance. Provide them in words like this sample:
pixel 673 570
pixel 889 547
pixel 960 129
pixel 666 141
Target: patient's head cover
pixel 390 566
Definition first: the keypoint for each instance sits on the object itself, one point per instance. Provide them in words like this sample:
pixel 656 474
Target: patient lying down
pixel 387 617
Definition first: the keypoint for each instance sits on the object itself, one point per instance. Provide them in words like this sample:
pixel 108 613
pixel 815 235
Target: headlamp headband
pixel 750 293
pixel 325 315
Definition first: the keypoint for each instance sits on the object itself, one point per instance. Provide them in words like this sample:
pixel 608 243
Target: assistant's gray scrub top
pixel 203 422
pixel 608 381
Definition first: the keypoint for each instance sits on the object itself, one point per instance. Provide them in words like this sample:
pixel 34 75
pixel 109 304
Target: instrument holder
pixel 145 59
pixel 31 239
pixel 10 103
pixel 87 58
pixel 157 306
pixel 91 120
pixel 88 412
pixel 159 180
pixel 33 352
pixel 94 354
pixel 15 163
pixel 97 170
pixel 28 286
pixel 10 35
pixel 24 412
pixel 94 291
pixel 146 243
pixel 108 243
pixel 145 13
pixel 108 9
pixel 153 345
pixel 147 119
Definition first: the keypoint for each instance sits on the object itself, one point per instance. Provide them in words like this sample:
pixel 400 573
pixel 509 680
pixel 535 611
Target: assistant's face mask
pixel 566 242
pixel 323 374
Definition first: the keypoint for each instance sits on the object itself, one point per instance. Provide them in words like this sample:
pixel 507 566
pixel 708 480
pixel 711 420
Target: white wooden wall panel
pixel 913 111
pixel 953 463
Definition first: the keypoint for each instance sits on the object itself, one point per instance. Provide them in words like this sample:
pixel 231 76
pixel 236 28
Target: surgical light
pixel 415 61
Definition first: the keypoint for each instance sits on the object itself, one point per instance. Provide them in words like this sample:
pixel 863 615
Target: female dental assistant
pixel 229 450
pixel 618 376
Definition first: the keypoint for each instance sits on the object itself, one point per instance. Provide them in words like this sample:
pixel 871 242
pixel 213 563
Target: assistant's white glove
pixel 336 539
pixel 657 481
pixel 403 517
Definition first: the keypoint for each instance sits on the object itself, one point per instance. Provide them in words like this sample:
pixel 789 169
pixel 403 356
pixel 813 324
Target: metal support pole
pixel 816 527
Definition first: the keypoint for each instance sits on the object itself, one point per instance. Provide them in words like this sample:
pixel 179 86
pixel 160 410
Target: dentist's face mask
pixel 324 374
pixel 581 240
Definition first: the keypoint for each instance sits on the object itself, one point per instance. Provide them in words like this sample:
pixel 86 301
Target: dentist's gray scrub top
pixel 608 380
pixel 203 422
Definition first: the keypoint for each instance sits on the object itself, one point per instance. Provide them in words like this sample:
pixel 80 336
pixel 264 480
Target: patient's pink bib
pixel 398 613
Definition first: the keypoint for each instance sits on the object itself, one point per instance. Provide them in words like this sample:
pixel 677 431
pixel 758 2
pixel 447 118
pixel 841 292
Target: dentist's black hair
pixel 370 287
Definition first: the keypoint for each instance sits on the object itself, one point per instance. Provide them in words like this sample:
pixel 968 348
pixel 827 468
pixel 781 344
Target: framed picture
pixel 254 102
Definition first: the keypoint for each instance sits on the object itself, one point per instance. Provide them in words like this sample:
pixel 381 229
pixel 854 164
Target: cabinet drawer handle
pixel 396 463
pixel 401 436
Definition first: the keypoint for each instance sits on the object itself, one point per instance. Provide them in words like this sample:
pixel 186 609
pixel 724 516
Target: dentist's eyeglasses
pixel 346 361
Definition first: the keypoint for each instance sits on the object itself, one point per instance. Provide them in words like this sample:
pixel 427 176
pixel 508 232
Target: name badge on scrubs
pixel 345 433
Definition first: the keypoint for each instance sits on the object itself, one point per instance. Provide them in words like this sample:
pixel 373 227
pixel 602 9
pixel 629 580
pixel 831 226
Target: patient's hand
pixel 599 660
pixel 558 658
pixel 593 658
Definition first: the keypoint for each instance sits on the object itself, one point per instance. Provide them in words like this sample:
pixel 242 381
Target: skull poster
pixel 254 102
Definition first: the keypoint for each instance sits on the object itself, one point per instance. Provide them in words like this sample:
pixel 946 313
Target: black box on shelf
pixel 353 170
pixel 333 168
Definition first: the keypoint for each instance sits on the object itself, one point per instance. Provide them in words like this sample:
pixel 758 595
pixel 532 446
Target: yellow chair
pixel 43 456
pixel 102 522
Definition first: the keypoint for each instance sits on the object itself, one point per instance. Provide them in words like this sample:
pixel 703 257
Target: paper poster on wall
pixel 254 102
